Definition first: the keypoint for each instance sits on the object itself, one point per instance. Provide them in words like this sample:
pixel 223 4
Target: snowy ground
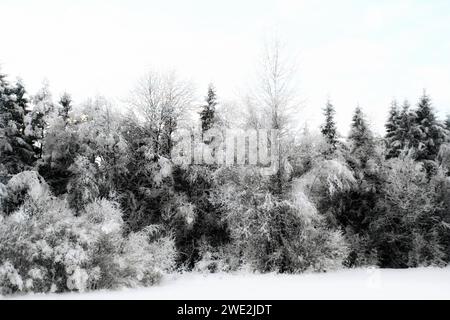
pixel 427 283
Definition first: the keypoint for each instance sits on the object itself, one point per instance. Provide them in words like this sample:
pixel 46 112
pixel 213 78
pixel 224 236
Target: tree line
pixel 90 197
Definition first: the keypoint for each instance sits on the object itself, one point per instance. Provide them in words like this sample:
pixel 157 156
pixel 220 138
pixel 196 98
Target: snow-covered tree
pixel 101 141
pixel 275 235
pixel 273 103
pixel 393 131
pixel 91 132
pixel 306 151
pixel 16 143
pixel 160 102
pixel 60 147
pixel 407 220
pixel 351 210
pixel 146 184
pixel 37 118
pixel 107 207
pixel 428 134
pixel 404 135
pixel 361 138
pixel 208 112
pixel 83 187
pixel 65 106
pixel 329 129
pixel 194 217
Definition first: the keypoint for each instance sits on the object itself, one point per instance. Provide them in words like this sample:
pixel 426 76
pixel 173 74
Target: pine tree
pixel 447 122
pixel 361 137
pixel 329 130
pixel 16 145
pixel 393 143
pixel 208 112
pixel 427 133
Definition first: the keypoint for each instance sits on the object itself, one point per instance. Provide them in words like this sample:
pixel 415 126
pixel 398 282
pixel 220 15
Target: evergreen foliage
pixel 393 132
pixel 208 112
pixel 329 129
pixel 16 140
pixel 427 133
pixel 361 138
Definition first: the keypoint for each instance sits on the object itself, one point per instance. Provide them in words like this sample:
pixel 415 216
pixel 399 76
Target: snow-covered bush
pixel 426 250
pixel 284 238
pixel 216 259
pixel 362 253
pixel 10 280
pixel 45 247
pixel 277 235
pixel 27 186
pixel 143 261
pixel 325 179
pixel 50 240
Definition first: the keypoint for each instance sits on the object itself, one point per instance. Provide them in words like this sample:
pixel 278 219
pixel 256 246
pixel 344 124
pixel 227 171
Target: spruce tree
pixel 16 144
pixel 404 130
pixel 329 130
pixel 208 112
pixel 361 137
pixel 393 120
pixel 427 133
pixel 447 122
pixel 392 138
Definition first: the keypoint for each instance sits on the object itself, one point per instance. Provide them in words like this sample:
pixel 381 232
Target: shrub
pixel 216 259
pixel 26 186
pixel 44 247
pixel 272 234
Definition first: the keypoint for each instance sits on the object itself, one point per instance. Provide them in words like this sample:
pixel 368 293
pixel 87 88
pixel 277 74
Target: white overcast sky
pixel 354 51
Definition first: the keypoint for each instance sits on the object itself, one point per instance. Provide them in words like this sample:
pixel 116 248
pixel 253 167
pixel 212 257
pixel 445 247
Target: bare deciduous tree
pixel 273 102
pixel 159 102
